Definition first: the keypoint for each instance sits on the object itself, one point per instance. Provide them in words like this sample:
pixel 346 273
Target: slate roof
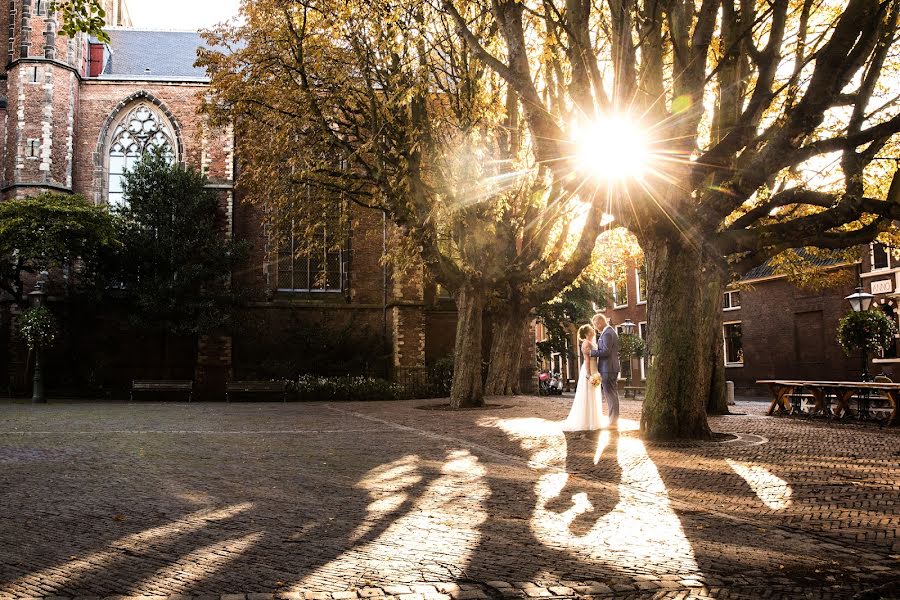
pixel 146 54
pixel 768 270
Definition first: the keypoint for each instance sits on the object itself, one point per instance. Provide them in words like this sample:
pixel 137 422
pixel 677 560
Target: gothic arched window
pixel 141 129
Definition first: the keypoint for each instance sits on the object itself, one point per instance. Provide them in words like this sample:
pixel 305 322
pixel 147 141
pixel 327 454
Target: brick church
pixel 76 113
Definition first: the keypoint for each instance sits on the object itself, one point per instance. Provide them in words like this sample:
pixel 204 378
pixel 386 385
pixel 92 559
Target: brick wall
pixel 101 102
pixel 787 332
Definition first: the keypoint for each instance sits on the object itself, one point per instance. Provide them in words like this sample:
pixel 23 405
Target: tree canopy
pixel 176 263
pixel 50 231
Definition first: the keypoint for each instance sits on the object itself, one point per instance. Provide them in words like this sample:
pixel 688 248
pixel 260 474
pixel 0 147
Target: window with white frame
pixel 141 129
pixel 620 293
pixel 734 347
pixel 311 263
pixel 732 300
pixel 881 257
pixel 641 281
pixel 642 331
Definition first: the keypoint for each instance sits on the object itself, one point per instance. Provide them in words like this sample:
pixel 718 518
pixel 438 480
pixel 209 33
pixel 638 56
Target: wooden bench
pixel 163 385
pixel 634 389
pixel 256 387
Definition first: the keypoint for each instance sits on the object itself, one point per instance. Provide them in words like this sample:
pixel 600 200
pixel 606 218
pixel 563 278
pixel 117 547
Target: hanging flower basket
pixel 869 330
pixel 38 327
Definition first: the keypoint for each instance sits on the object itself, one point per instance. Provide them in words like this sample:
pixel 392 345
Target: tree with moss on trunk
pixel 384 106
pixel 741 105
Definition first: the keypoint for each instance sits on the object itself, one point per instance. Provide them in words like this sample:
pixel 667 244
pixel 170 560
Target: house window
pixel 620 294
pixel 141 129
pixel 732 300
pixel 641 279
pixel 34 148
pixel 310 264
pixel 41 8
pixel 642 331
pixel 881 257
pixel 734 348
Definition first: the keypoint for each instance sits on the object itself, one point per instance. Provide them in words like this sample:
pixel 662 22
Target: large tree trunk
pixel 717 403
pixel 507 335
pixel 684 322
pixel 467 389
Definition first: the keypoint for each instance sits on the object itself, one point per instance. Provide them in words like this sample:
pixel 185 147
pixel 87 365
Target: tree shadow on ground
pixel 141 514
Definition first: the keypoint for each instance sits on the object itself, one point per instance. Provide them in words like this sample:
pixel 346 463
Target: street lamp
pixel 860 301
pixel 37 300
pixel 628 328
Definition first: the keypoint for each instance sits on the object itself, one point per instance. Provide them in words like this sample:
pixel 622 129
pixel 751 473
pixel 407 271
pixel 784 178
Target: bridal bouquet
pixel 595 379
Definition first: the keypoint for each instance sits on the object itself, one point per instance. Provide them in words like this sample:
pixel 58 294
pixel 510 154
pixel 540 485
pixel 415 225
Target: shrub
pixel 312 387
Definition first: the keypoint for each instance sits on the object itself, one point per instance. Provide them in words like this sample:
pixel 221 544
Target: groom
pixel 607 354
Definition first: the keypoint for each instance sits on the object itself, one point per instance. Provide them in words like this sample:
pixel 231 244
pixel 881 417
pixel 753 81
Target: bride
pixel 586 411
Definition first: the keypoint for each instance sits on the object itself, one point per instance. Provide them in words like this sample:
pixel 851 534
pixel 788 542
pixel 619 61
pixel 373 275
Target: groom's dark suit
pixel 607 354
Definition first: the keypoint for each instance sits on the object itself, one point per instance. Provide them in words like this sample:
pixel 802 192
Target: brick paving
pixel 346 501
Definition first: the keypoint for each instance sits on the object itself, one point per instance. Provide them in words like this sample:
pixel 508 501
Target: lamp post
pixel 37 297
pixel 628 328
pixel 860 301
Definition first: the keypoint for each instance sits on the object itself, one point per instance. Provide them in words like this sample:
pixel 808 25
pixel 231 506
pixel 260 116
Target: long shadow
pixel 300 505
pixel 509 548
pixel 103 525
pixel 592 455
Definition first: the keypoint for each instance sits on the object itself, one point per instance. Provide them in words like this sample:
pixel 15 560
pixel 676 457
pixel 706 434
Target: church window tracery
pixel 141 130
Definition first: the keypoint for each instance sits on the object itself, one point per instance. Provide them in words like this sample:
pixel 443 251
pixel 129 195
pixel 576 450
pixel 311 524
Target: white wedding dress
pixel 586 411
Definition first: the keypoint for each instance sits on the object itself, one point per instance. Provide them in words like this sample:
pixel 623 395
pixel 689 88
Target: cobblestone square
pixel 338 501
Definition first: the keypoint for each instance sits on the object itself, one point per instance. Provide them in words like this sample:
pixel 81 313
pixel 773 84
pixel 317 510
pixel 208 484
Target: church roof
pixel 148 54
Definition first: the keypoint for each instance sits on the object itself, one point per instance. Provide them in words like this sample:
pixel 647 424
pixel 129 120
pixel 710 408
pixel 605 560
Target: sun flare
pixel 613 148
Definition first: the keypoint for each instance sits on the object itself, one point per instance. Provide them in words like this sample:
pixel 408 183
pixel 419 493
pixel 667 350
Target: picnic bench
pixel 256 387
pixel 843 391
pixel 163 385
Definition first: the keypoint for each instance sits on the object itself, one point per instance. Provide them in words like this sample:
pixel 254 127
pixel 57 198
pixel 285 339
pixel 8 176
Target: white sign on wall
pixel 884 286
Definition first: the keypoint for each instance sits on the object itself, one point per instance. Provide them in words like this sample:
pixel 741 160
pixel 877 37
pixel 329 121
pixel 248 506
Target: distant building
pixel 770 327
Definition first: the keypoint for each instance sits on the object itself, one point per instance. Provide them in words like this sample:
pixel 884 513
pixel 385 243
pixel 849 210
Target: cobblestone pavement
pixel 341 501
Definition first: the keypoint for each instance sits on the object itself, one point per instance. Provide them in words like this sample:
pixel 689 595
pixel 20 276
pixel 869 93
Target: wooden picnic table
pixel 842 390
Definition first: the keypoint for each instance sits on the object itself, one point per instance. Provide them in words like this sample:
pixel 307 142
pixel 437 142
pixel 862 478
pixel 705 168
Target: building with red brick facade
pixel 773 329
pixel 76 113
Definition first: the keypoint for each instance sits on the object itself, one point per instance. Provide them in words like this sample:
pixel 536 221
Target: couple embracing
pixel 599 373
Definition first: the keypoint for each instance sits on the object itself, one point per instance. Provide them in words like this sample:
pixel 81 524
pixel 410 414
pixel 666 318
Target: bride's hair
pixel 584 331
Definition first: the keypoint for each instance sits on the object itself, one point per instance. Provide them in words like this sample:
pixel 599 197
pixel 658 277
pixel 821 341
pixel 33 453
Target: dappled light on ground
pixel 429 507
pixel 773 491
pixel 142 541
pixel 601 496
pixel 199 564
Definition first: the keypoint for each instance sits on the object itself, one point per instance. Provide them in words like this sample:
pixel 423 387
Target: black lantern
pixel 860 301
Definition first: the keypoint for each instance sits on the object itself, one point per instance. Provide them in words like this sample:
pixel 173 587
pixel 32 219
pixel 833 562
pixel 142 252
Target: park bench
pixel 634 390
pixel 256 387
pixel 163 385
